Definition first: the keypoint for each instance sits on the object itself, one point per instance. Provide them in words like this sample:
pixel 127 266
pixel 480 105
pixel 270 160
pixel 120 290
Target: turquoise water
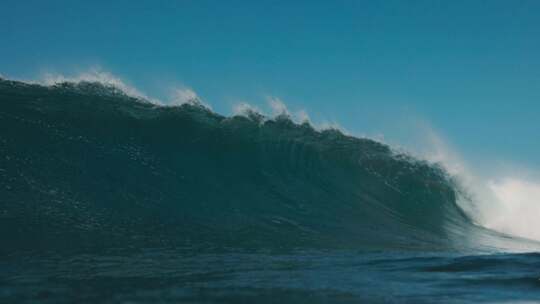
pixel 108 198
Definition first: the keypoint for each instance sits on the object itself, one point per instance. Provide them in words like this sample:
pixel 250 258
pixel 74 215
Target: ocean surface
pixel 107 198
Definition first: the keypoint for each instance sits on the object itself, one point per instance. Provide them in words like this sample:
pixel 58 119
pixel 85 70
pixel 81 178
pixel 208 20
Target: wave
pixel 84 165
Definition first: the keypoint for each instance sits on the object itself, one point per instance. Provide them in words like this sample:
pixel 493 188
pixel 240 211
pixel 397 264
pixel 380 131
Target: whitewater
pixel 109 195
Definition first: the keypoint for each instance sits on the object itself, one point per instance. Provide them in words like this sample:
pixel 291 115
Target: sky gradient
pixel 468 69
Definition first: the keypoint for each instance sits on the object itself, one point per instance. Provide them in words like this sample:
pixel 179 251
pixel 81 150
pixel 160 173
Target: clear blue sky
pixel 471 69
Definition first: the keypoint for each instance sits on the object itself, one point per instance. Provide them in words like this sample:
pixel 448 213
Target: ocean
pixel 109 198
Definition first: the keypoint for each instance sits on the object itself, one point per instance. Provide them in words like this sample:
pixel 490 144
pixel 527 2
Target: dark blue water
pixel 105 198
pixel 175 276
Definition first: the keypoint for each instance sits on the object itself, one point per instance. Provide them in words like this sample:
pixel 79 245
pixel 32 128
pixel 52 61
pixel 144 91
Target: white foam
pixel 278 106
pixel 184 95
pixel 302 116
pixel 179 96
pixel 517 209
pixel 245 109
pixel 99 76
pixel 505 203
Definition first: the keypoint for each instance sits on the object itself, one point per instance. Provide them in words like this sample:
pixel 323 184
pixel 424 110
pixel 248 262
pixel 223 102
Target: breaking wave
pixel 84 165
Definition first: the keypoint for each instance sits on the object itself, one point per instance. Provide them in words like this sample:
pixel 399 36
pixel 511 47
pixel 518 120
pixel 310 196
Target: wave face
pixel 83 166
